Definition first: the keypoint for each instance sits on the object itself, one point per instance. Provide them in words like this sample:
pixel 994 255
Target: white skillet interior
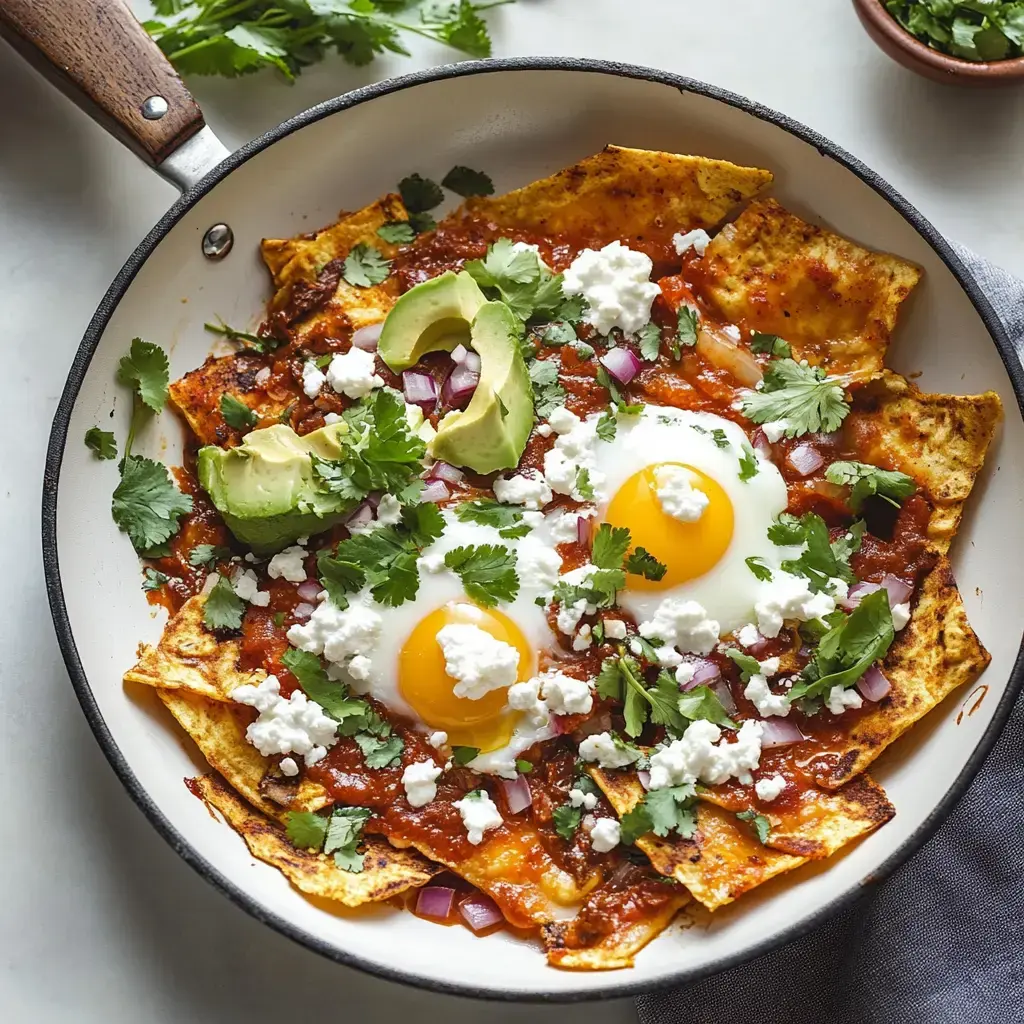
pixel 518 126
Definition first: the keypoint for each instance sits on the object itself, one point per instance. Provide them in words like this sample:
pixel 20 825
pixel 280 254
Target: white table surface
pixel 99 920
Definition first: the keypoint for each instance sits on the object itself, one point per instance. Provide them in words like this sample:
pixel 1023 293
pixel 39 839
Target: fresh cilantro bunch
pixel 801 396
pixel 238 37
pixel 849 648
pixel 146 504
pixel 981 30
pixel 865 481
pixel 339 833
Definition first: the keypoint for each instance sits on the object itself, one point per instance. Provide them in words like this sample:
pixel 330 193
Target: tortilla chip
pixel 724 859
pixel 218 730
pixel 833 301
pixel 636 195
pixel 190 658
pixel 386 871
pixel 197 395
pixel 934 655
pixel 614 951
pixel 939 440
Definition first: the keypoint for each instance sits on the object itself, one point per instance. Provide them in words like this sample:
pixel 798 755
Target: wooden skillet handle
pixel 101 57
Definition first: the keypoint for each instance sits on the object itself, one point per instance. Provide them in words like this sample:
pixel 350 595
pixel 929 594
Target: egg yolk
pixel 425 685
pixel 688 549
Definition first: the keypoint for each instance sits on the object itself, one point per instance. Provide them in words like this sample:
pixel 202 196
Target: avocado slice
pixel 265 487
pixel 432 317
pixel 491 433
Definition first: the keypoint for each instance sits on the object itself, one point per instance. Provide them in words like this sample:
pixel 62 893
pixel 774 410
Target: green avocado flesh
pixel 265 488
pixel 491 432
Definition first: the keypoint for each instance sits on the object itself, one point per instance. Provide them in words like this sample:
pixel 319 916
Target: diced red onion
pixel 724 695
pixel 706 672
pixel 459 354
pixel 761 443
pixel 805 459
pixel 601 722
pixel 873 685
pixel 517 793
pixel 857 594
pixel 899 592
pixel 435 491
pixel 583 530
pixel 309 590
pixel 362 516
pixel 645 779
pixel 778 732
pixel 480 912
pixel 466 357
pixel 420 389
pixel 459 386
pixel 366 338
pixel 621 363
pixel 443 471
pixel 435 901
pixel 301 612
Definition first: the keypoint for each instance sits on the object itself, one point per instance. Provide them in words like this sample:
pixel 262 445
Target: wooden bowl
pixel 905 49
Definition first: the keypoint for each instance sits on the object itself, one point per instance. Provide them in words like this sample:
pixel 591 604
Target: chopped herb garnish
pixel 153 579
pixel 746 663
pixel 758 567
pixel 461 756
pixel 365 266
pixel 567 820
pixel 981 30
pixel 101 442
pixel 223 608
pixel 487 571
pixel 344 834
pixel 146 505
pixel 802 396
pixel 207 555
pixel 397 232
pixel 524 766
pixel 331 695
pixel 748 464
pixel 466 182
pixel 703 703
pixel 237 414
pixel 771 344
pixel 865 481
pixel 306 830
pixel 649 338
pixel 583 487
pixel 146 370
pixel 686 329
pixel 420 194
pixel 822 560
pixel 642 563
pixel 610 546
pixel 607 426
pixel 662 811
pixel 621 679
pixel 548 393
pixel 761 824
pixel 506 519
pixel 244 338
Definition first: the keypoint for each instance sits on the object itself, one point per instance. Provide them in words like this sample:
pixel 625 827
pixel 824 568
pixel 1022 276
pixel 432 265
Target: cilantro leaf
pixel 610 546
pixel 559 333
pixel 802 396
pixel 583 487
pixel 461 756
pixel 702 703
pixel 153 579
pixel 146 505
pixel 223 608
pixel 771 344
pixel 339 578
pixel 821 561
pixel 607 426
pixel 748 665
pixel 620 679
pixel 642 563
pixel 761 824
pixel 344 833
pixel 548 393
pixel 332 696
pixel 758 567
pixel 487 571
pixel 599 588
pixel 207 555
pixel 686 329
pixel 567 820
pixel 661 811
pixel 380 751
pixel 420 194
pixel 748 464
pixel 489 512
pixel 524 766
pixel 849 648
pixel 718 435
pixel 306 830
pixel 397 232
pixel 244 338
pixel 365 266
pixel 101 442
pixel 466 182
pixel 866 480
pixel 664 700
pixel 786 530
pixel 649 337
pixel 145 369
pixel 237 414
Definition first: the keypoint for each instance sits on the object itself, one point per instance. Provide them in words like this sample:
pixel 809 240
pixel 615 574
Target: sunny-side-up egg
pixel 707 520
pixel 408 670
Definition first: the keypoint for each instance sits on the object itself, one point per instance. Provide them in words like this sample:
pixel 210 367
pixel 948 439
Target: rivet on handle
pixel 217 242
pixel 154 108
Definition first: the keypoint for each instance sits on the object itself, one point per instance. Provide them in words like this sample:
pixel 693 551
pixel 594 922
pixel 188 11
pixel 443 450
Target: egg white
pixel 729 590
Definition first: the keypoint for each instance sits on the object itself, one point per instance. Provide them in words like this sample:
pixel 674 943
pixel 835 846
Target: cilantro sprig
pixel 506 519
pixel 771 344
pixel 223 609
pixel 548 393
pixel 865 481
pixel 339 833
pixel 215 37
pixel 662 811
pixel 101 443
pixel 488 572
pixel 567 818
pixel 365 266
pixel 802 396
pixel 236 413
pixel 762 826
pixel 822 559
pixel 245 338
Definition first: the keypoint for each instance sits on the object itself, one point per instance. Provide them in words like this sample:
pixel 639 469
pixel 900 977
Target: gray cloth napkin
pixel 940 942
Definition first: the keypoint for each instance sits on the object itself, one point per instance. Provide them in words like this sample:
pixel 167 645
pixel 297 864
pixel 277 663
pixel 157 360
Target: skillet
pixel 518 120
